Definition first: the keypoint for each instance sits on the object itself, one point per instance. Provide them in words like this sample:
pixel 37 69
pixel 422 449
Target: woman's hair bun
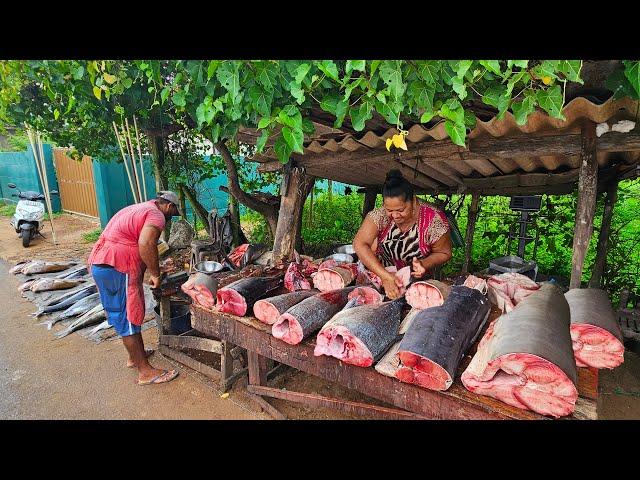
pixel 394 174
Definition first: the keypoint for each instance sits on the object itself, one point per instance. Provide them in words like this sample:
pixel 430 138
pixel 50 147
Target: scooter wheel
pixel 26 238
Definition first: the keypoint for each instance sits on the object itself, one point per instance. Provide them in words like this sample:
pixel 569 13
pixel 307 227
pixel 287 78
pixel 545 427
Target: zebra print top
pixel 397 248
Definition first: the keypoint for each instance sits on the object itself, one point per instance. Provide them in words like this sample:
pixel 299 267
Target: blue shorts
pixel 112 286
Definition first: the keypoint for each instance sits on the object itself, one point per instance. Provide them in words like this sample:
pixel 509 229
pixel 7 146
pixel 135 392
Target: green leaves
pixel 301 72
pixel 294 138
pixel 429 70
pixel 227 75
pixel 97 92
pixel 360 115
pixel 632 73
pixel 283 150
pixel 492 65
pixel 456 131
pixel 498 97
pixel 178 99
pixel 551 101
pixel 521 110
pixel 357 65
pixel 392 76
pixel 571 70
pixel 261 100
pixel 211 69
pixel 329 68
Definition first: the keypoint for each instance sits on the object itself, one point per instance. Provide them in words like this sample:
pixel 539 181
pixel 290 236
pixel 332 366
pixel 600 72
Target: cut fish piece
pixel 427 294
pixel 269 310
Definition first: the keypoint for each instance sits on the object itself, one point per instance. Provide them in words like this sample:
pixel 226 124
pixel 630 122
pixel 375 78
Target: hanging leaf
pixel 456 131
pixel 392 76
pixel 398 141
pixel 352 65
pixel 262 140
pixel 632 72
pixel 97 92
pixel 282 149
pixel 110 79
pixel 294 138
pixel 551 101
pixel 521 110
pixel 388 143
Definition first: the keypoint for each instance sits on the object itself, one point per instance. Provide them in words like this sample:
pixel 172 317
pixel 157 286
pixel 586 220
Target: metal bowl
pixel 341 257
pixel 208 267
pixel 348 249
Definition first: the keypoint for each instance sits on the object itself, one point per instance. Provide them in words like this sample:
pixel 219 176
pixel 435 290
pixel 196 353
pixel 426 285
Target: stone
pixel 181 234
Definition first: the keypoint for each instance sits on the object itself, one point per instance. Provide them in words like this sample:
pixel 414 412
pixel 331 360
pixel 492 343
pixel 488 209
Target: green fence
pixel 20 168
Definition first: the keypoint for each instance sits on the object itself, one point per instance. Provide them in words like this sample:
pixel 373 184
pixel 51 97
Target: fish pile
pixel 40 266
pixel 334 277
pixel 202 289
pixel 508 289
pixel 238 297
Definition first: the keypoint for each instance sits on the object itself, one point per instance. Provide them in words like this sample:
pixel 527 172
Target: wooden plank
pixel 257 368
pixel 356 408
pixel 195 343
pixel 587 190
pixel 266 406
pixel 189 362
pixel 226 365
pixel 587 382
pixel 456 402
pixel 471 224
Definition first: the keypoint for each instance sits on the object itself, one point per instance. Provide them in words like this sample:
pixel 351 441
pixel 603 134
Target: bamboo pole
pixel 133 159
pixel 124 159
pixel 46 186
pixel 144 184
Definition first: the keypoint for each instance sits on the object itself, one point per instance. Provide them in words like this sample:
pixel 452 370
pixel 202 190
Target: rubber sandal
pixel 164 377
pixel 147 354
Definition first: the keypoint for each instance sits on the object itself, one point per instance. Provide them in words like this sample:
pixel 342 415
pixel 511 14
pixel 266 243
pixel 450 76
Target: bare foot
pixel 147 354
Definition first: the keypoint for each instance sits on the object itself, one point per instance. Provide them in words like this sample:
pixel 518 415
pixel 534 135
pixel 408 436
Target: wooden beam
pixel 587 190
pixel 196 343
pixel 270 166
pixel 319 401
pixel 603 238
pixel 189 362
pixel 471 225
pixel 370 196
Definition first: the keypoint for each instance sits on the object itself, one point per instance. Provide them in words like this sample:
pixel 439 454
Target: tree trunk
pixel 269 211
pixel 198 208
pixel 587 190
pixel 297 186
pixel 370 195
pixel 471 225
pixel 603 239
pixel 183 204
pixel 330 189
pixel 238 234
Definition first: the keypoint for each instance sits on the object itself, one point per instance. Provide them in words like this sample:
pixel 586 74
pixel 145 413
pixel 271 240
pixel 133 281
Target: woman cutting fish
pixel 404 231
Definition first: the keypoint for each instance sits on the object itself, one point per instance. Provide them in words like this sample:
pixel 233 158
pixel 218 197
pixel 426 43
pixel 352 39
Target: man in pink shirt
pixel 126 248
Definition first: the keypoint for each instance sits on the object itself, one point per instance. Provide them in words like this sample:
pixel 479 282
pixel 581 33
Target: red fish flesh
pixel 597 339
pixel 427 294
pixel 525 358
pixel 294 279
pixel 508 289
pixel 269 310
pixel 239 297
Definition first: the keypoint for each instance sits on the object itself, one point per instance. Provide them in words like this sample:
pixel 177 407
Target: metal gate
pixel 76 184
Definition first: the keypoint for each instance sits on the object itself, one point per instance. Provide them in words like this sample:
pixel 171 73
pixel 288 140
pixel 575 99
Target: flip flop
pixel 147 354
pixel 165 376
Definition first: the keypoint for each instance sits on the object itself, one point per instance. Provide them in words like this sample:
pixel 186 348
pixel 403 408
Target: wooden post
pixel 471 226
pixel 291 203
pixel 587 190
pixel 603 239
pixel 370 196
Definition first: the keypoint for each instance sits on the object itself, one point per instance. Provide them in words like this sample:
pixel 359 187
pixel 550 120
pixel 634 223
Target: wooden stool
pixel 200 248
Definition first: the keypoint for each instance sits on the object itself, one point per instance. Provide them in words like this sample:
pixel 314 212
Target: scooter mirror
pixel 11 185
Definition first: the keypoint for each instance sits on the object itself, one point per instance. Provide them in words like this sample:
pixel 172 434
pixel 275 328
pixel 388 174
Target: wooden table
pixel 408 401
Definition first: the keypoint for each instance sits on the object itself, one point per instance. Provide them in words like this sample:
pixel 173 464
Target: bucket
pixel 180 318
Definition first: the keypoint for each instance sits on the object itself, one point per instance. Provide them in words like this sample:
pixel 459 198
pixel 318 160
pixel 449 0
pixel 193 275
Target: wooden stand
pixel 170 345
pixel 405 400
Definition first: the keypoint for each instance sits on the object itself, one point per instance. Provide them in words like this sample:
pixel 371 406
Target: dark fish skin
pixel 252 288
pixel 283 302
pixel 313 312
pixel 74 273
pixel 67 300
pixel 443 334
pixel 79 308
pixel 376 326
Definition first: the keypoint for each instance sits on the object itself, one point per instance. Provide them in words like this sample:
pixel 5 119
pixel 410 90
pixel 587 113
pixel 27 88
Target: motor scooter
pixel 29 216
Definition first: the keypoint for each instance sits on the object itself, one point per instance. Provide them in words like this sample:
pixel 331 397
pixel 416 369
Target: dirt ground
pixel 74 378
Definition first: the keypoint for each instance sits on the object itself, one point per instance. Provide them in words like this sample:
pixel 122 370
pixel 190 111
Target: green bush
pixel 92 236
pixel 7 209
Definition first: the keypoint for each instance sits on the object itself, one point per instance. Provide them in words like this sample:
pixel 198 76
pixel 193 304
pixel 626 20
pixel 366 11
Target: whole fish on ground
pixel 83 306
pixel 239 297
pixel 93 316
pixel 67 299
pixel 309 315
pixel 27 285
pixel 47 284
pixel 360 335
pixel 77 272
pixel 46 267
pixel 438 337
pixel 17 268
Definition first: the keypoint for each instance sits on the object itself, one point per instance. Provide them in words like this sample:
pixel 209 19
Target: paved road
pixel 74 378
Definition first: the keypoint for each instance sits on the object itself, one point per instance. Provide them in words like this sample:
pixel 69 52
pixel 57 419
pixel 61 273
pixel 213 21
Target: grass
pixel 7 209
pixel 92 236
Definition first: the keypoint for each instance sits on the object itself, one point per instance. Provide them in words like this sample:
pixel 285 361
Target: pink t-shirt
pixel 118 243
